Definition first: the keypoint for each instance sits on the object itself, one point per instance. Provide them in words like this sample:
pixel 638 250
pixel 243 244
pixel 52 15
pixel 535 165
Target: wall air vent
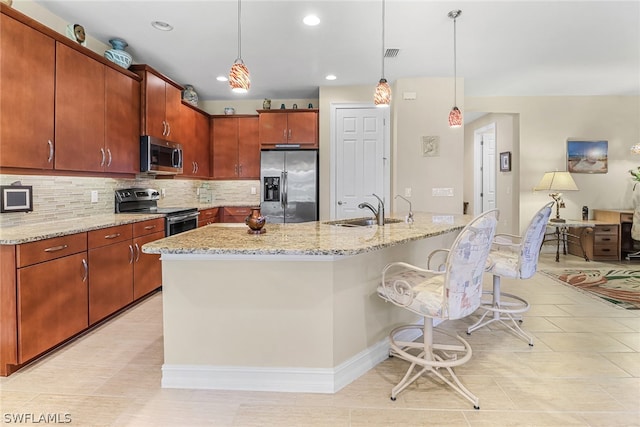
pixel 391 53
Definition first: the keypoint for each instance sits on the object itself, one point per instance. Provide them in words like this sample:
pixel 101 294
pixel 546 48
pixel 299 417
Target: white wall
pixel 546 123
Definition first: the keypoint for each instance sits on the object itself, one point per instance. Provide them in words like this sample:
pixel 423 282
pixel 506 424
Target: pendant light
pixel 455 116
pixel 382 97
pixel 239 74
pixel 635 149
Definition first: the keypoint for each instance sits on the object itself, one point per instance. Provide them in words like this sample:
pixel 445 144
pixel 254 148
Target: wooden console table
pixel 569 234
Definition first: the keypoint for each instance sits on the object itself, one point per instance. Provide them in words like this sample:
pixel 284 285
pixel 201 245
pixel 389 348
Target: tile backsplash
pixel 64 197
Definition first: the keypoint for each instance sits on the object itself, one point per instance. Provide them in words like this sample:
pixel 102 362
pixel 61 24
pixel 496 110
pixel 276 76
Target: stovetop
pixel 144 201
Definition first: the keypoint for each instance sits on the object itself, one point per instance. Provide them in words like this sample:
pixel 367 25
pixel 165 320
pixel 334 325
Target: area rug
pixel 620 287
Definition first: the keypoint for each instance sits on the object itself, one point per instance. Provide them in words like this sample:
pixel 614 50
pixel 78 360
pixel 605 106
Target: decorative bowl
pixel 229 111
pixel 120 57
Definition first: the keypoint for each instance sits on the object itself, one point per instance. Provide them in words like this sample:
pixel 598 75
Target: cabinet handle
pixel 284 135
pixel 164 128
pixel 50 151
pixel 240 174
pixel 197 168
pixel 235 169
pixel 112 236
pixel 168 128
pixel 606 239
pixel 130 254
pixel 137 252
pixel 606 250
pixel 289 133
pixel 110 158
pixel 56 248
pixel 103 157
pixel 149 227
pixel 86 270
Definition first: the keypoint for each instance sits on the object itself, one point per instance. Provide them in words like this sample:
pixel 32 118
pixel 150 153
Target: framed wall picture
pixel 505 161
pixel 16 198
pixel 587 156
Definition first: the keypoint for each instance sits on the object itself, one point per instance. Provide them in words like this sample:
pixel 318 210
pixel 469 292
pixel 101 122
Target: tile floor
pixel 584 370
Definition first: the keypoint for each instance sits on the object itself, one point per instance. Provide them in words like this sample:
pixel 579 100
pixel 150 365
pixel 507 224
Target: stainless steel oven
pixel 180 222
pixel 145 201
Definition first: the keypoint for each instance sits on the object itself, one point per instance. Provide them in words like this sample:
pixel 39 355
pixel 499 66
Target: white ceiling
pixel 504 48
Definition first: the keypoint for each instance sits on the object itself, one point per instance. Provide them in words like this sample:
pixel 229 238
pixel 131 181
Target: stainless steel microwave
pixel 160 157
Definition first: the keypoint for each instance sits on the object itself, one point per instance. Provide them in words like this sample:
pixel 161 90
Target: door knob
pixel 340 202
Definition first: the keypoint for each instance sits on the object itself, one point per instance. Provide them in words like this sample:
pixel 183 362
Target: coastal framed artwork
pixel 505 161
pixel 587 156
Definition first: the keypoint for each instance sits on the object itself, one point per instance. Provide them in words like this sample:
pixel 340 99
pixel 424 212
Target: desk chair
pixel 635 234
pixel 515 257
pixel 452 291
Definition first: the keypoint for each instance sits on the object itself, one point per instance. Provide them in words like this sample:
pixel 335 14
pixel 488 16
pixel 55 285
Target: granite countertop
pixel 310 238
pixel 46 230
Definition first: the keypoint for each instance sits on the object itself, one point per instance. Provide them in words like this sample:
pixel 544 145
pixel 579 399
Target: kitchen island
pixel 294 309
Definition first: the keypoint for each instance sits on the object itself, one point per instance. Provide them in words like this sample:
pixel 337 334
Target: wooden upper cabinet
pixel 303 128
pixel 122 122
pixel 248 148
pixel 289 127
pixel 203 145
pixel 160 104
pixel 79 114
pixel 194 136
pixel 224 136
pixel 273 128
pixel 27 73
pixel 236 148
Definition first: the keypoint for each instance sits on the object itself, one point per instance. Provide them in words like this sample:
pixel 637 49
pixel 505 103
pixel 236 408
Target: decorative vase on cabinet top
pixel 189 94
pixel 118 55
pixel 255 222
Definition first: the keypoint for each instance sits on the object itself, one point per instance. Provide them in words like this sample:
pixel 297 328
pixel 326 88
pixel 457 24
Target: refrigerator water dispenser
pixel 271 189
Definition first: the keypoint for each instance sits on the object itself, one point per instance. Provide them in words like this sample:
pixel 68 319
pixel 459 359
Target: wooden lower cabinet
pixel 235 213
pixel 147 269
pixel 55 288
pixel 52 304
pixel 110 274
pixel 208 216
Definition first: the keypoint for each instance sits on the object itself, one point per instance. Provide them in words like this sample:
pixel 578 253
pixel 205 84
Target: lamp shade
pixel 382 96
pixel 635 149
pixel 557 181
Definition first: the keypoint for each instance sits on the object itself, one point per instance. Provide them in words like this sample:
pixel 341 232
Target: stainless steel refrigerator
pixel 289 185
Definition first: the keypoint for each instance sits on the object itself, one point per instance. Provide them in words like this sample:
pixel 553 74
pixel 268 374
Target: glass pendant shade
pixel 635 149
pixel 455 118
pixel 239 77
pixel 455 115
pixel 382 97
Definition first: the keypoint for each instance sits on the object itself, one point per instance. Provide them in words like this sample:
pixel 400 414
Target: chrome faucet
pixel 410 216
pixel 378 213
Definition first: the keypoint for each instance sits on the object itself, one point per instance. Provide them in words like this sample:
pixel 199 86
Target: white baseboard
pixel 299 380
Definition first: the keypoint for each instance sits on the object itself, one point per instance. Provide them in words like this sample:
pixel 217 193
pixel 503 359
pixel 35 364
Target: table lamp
pixel 555 182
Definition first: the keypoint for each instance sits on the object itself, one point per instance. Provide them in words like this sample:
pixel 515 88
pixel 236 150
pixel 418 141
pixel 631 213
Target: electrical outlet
pixel 442 192
pixel 407 192
pixel 94 196
pixel 254 191
pixel 163 193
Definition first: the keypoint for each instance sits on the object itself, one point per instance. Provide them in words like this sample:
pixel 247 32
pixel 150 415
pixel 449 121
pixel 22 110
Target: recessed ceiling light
pixel 162 26
pixel 331 77
pixel 222 78
pixel 311 20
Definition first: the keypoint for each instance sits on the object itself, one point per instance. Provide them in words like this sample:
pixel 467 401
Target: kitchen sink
pixel 361 222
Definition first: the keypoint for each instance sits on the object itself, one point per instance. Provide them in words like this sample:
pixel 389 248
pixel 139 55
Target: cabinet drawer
pixel 109 235
pixel 605 249
pixel 626 217
pixel 236 210
pixel 208 216
pixel 148 227
pixel 604 239
pixel 606 229
pixel 46 250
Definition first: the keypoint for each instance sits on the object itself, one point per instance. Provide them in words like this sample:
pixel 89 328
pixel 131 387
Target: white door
pixel 360 160
pixel 485 169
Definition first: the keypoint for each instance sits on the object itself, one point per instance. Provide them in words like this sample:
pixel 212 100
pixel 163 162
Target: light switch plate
pixel 94 196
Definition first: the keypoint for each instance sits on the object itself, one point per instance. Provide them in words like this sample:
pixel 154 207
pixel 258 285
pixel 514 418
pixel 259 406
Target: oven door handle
pixel 174 219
